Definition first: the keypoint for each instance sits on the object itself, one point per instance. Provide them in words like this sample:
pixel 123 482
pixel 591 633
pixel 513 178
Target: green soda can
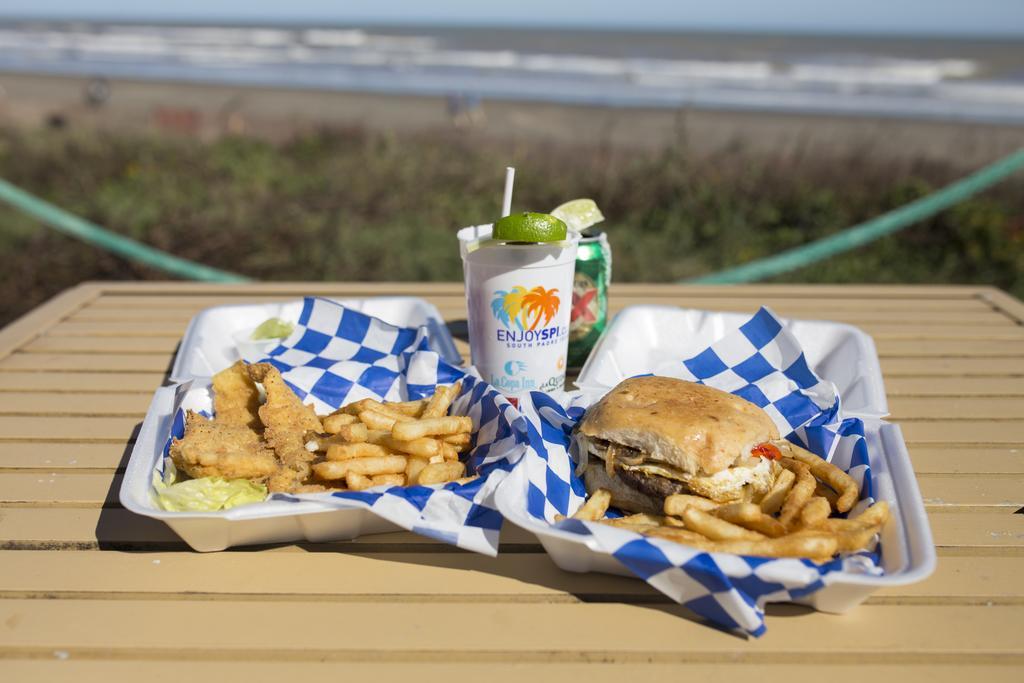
pixel 589 296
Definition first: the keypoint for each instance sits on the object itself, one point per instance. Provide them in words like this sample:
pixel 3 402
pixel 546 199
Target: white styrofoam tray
pixel 214 340
pixel 641 338
pixel 272 521
pixel 217 336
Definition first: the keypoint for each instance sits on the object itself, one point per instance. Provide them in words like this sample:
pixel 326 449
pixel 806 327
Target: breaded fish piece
pixel 215 449
pixel 287 421
pixel 236 399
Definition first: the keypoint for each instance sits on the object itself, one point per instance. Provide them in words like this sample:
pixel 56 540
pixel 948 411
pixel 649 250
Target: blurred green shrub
pixel 348 204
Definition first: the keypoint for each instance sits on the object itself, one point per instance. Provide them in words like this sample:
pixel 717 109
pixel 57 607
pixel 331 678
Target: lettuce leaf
pixel 207 494
pixel 273 328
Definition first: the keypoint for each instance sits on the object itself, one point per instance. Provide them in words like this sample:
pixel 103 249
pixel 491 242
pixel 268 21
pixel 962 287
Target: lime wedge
pixel 579 214
pixel 529 227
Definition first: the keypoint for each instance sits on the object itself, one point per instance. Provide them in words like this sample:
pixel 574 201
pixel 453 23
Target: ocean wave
pixel 376 61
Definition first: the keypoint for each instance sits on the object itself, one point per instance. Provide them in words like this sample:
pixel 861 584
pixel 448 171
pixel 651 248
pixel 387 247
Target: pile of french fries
pixel 372 443
pixel 793 520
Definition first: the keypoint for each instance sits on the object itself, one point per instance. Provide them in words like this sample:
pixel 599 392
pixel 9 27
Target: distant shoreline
pixel 208 111
pixel 410 27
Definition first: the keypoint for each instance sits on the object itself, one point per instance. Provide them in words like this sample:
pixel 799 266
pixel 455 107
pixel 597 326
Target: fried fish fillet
pixel 236 399
pixel 216 449
pixel 287 421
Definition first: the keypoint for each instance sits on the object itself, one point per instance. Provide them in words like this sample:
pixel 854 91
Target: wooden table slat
pixel 409 576
pixel 553 632
pixel 78 666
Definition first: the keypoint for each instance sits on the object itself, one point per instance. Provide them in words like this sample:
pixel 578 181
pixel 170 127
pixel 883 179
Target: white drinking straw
pixel 506 204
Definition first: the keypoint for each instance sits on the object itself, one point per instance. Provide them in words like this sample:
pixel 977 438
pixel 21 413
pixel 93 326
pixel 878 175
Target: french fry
pixel 358 482
pixel 876 515
pixel 750 516
pixel 388 479
pixel 836 525
pixel 436 459
pixel 337 469
pixel 818 547
pixel 422 448
pixel 347 451
pixel 440 401
pixel 801 492
pixel 407 431
pixel 595 507
pixel 646 519
pixel 814 512
pixel 465 480
pixel 717 529
pixel 376 420
pixel 359 406
pixel 772 502
pixel 678 502
pixel 857 533
pixel 684 536
pixel 642 518
pixel 335 421
pixel 353 433
pixel 856 539
pixel 410 408
pixel 389 410
pixel 827 493
pixel 626 523
pixel 458 440
pixel 827 472
pixel 449 451
pixel 439 473
pixel 392 409
pixel 413 469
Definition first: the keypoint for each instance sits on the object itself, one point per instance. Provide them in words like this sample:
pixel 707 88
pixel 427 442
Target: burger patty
pixel 651 484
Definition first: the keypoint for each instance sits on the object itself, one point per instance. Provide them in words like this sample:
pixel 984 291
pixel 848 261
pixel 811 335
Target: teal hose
pixel 863 233
pixel 81 229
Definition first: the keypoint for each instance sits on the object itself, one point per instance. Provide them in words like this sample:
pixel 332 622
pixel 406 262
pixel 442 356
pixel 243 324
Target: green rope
pixel 859 235
pixel 79 228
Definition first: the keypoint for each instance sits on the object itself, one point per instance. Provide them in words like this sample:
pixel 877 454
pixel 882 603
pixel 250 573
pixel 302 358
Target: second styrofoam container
pixel 908 553
pixel 641 338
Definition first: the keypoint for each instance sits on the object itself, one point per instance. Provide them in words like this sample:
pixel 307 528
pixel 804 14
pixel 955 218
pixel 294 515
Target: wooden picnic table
pixel 91 591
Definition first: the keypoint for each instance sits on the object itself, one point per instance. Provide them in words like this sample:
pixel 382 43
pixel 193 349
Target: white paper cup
pixel 519 298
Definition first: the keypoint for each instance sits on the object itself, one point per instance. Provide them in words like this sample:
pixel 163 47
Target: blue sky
pixel 967 17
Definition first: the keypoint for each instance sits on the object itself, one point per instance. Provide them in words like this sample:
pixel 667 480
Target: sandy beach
pixel 208 111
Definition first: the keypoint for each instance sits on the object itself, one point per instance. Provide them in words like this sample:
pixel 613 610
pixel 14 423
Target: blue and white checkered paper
pixel 763 363
pixel 336 356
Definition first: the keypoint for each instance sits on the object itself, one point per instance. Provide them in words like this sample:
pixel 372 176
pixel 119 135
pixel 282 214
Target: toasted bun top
pixel 693 427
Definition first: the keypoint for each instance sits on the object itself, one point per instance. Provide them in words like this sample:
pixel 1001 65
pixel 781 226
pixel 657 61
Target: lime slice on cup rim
pixel 529 228
pixel 579 214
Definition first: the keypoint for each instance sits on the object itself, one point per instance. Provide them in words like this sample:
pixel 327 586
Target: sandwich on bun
pixel 651 437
